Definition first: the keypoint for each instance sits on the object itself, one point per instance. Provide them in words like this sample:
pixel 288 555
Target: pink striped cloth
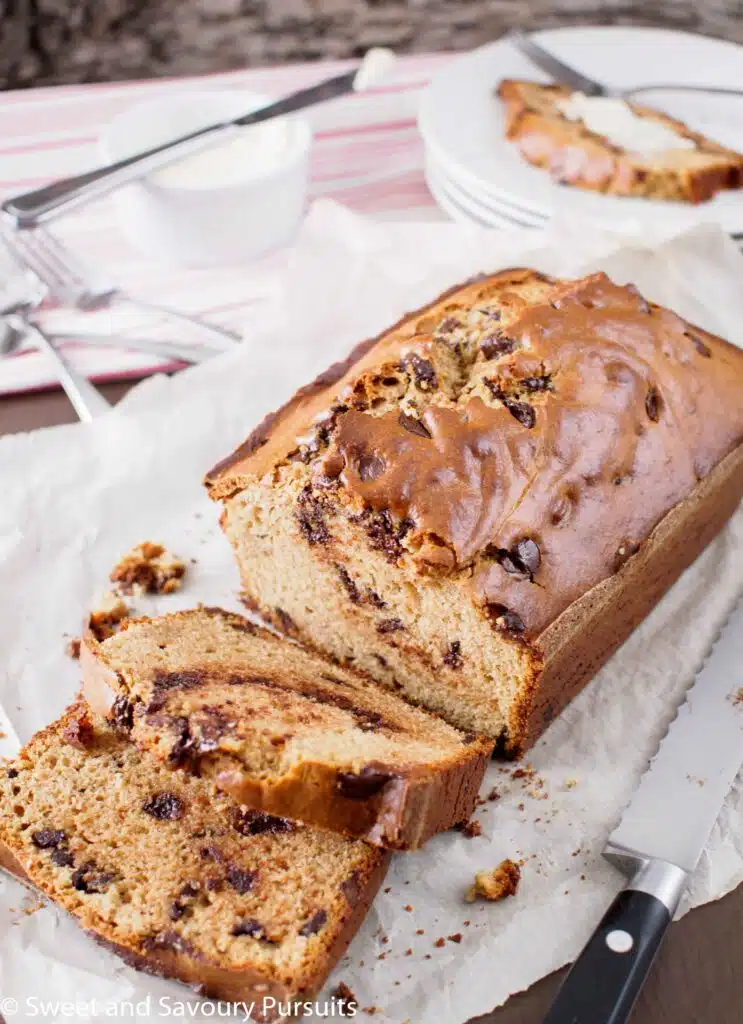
pixel 367 154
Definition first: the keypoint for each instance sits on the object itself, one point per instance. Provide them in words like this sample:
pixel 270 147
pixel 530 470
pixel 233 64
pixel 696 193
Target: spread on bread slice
pixel 559 131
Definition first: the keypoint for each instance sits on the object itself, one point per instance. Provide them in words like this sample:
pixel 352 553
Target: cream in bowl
pixel 225 204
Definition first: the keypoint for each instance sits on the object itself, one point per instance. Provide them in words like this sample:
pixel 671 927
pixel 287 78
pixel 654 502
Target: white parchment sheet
pixel 73 499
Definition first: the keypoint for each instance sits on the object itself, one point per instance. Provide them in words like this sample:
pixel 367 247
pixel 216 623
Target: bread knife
pixel 660 838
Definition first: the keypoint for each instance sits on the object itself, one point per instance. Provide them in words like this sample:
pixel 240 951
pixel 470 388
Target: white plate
pixel 461 120
pixel 459 205
pixel 479 201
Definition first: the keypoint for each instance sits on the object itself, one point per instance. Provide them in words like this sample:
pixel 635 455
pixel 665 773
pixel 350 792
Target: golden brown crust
pixel 414 803
pixel 575 156
pixel 576 418
pixel 587 634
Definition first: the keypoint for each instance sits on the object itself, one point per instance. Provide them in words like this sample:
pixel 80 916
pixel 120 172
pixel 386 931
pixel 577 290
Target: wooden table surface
pixel 698 977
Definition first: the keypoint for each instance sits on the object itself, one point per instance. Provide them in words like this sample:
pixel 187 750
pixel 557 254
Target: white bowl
pixel 223 205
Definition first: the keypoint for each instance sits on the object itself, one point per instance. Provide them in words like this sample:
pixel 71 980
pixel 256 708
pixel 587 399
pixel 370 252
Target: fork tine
pixel 34 258
pixel 63 257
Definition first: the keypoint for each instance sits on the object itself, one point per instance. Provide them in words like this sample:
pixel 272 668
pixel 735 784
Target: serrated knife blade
pixel 680 795
pixel 660 838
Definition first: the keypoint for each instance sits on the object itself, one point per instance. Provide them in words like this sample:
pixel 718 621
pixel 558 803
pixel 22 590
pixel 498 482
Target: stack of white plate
pixel 476 175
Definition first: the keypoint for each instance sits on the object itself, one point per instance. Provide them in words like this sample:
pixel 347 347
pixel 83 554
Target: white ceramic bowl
pixel 223 205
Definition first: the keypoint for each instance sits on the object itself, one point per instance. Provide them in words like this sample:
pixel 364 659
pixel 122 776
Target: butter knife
pixel 660 839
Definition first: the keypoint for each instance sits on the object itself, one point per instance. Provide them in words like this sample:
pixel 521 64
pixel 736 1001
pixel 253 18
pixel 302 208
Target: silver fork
pixel 72 283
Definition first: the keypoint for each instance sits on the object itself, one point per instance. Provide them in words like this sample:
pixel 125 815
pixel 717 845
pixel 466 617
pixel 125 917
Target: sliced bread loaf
pixel 282 729
pixel 177 880
pixel 574 155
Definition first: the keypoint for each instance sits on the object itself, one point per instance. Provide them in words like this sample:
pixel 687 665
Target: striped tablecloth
pixel 366 153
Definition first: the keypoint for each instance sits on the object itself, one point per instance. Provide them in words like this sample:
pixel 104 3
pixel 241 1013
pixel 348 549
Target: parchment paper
pixel 75 498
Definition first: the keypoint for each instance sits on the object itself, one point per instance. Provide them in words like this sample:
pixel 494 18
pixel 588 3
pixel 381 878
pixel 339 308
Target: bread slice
pixel 576 156
pixel 175 879
pixel 516 472
pixel 284 730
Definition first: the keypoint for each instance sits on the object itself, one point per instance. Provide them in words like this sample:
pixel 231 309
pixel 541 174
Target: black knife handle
pixel 605 980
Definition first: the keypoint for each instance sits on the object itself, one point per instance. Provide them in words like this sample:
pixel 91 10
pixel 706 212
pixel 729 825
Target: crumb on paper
pixel 420 931
pixel 106 619
pixel 493 795
pixel 497 884
pixel 346 999
pixel 72 648
pixel 148 569
pixel 457 937
pixel 408 908
pixel 693 778
pixel 371 1010
pixel 471 829
pixel 440 943
pixel 737 697
pixel 570 783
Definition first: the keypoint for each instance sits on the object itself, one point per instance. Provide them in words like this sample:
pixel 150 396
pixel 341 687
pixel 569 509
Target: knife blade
pixel 660 838
pixel 555 68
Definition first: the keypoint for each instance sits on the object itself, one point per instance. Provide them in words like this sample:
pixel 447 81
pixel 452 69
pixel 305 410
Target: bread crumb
pixel 440 943
pixel 371 1010
pixel 106 619
pixel 346 999
pixel 148 569
pixel 570 783
pixel 457 937
pixel 420 931
pixel 72 648
pixel 471 829
pixel 495 885
pixel 408 908
pixel 737 697
pixel 493 795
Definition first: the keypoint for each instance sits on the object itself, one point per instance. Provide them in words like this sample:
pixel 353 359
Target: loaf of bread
pixel 178 880
pixel 282 729
pixel 575 155
pixel 479 505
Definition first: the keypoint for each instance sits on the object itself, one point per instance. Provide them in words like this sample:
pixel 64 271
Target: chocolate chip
pixel 521 560
pixel 543 383
pixel 315 923
pixel 498 344
pixel 173 941
pixel 213 884
pixel 255 823
pixel 390 626
pixel 250 927
pixel 653 403
pixel 349 584
pixel 164 807
pixel 373 598
pixel 504 619
pixel 12 773
pixel 423 371
pixel 366 784
pixel 89 879
pixel 415 426
pixel 48 838
pixel 241 881
pixel 62 858
pixel 177 910
pixel 311 517
pixel 521 411
pixel 699 345
pixel 121 715
pixel 453 656
pixel 371 467
pixel 286 622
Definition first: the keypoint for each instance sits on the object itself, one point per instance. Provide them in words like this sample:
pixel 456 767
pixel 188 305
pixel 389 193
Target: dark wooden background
pixel 44 42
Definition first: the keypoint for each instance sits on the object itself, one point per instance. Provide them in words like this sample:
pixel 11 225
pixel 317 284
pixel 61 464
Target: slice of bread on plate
pixel 283 729
pixel 536 120
pixel 175 879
